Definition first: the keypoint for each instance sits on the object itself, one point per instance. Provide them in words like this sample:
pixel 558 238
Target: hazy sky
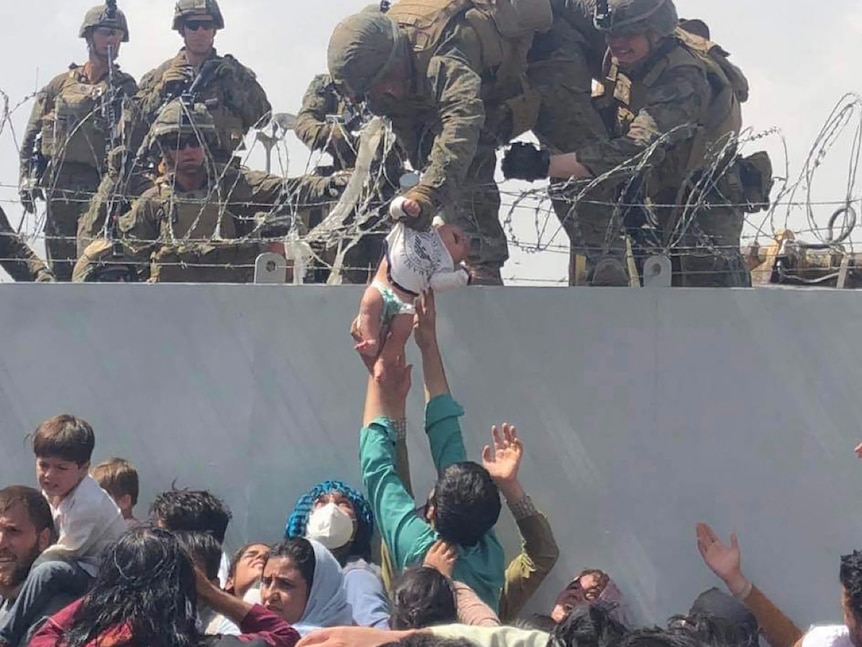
pixel 800 58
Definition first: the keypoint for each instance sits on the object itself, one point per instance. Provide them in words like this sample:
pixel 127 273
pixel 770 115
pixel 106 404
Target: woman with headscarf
pixel 589 587
pixel 146 593
pixel 302 582
pixel 340 518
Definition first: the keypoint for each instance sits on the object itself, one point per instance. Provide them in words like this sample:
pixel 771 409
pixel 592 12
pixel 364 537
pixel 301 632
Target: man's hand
pixel 858 450
pixel 177 79
pixel 425 321
pixel 395 379
pixel 442 557
pixel 504 458
pixel 725 561
pixel 565 602
pixel 28 198
pixel 525 161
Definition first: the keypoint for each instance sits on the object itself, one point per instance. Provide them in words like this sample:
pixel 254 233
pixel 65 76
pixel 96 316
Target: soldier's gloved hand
pixel 45 276
pixel 177 79
pixel 525 161
pixel 28 196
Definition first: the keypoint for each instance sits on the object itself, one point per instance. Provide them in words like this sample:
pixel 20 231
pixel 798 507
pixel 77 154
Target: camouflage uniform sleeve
pixel 259 191
pixel 17 258
pixel 43 104
pixel 140 227
pixel 244 95
pixel 453 76
pixel 677 99
pixel 311 125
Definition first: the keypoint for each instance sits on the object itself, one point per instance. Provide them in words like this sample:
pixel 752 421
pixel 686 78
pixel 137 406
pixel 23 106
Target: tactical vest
pixel 75 131
pixel 199 240
pixel 721 117
pixel 504 28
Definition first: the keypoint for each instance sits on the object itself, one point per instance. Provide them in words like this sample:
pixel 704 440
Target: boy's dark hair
pixel 38 510
pixel 591 625
pixel 422 597
pixel 851 579
pixel 194 510
pixel 718 618
pixel 430 640
pixel 65 437
pixel 656 637
pixel 301 554
pixel 467 503
pixel 118 477
pixel 203 549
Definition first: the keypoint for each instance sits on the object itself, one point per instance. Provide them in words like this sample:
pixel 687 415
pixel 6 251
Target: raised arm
pixel 404 533
pixel 726 562
pixel 539 551
pixel 441 412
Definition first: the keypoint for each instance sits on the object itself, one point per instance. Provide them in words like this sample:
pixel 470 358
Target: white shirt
pixel 827 636
pixel 87 521
pixel 419 260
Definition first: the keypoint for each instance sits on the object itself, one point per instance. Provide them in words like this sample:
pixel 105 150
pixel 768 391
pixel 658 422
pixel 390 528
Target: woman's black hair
pixel 422 597
pixel 301 554
pixel 146 582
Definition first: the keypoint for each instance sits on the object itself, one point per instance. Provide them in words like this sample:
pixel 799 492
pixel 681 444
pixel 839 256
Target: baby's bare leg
pixel 365 329
pixel 396 342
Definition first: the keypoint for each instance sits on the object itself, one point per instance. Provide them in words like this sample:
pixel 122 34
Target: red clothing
pixel 260 624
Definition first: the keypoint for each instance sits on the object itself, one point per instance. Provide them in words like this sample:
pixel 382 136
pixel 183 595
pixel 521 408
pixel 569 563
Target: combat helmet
pixel 192 9
pixel 627 17
pixel 362 50
pixel 105 15
pixel 181 118
pixel 101 263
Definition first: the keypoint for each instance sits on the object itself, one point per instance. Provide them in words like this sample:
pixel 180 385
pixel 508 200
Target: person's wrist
pixel 738 585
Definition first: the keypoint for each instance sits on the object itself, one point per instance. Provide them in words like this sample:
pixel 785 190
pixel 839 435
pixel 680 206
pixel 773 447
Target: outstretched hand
pixel 504 458
pixel 723 560
pixel 441 557
pixel 425 321
pixel 858 450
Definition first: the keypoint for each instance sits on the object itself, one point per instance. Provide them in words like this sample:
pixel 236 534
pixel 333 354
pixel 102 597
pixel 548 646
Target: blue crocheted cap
pixel 298 519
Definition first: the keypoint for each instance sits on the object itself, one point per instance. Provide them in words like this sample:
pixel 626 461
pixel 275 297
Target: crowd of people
pixel 356 567
pixel 141 181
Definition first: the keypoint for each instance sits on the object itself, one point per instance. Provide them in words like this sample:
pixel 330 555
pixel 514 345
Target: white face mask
pixel 331 526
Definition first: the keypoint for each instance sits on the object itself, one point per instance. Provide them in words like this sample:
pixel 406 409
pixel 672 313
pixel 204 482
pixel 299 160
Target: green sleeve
pixel 407 536
pixel 444 431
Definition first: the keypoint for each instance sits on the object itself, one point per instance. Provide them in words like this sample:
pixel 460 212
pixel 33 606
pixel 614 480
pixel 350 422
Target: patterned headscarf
pixel 298 519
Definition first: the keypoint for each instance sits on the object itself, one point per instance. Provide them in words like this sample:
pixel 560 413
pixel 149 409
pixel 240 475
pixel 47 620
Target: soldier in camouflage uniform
pixel 230 91
pixel 455 87
pixel 69 134
pixel 199 223
pixel 316 127
pixel 16 257
pixel 662 81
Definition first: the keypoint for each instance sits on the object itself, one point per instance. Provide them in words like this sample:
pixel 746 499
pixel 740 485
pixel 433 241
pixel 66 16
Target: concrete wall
pixel 642 411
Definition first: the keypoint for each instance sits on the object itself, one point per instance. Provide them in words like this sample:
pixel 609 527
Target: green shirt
pixel 407 535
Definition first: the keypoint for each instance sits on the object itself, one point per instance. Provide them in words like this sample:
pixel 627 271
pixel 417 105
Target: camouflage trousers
pixel 567 120
pixel 67 195
pixel 17 258
pixel 110 193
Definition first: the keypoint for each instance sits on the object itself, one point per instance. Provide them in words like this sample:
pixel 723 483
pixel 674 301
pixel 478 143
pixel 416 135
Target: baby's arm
pixel 447 280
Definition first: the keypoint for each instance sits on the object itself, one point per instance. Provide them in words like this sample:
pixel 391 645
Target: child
pixel 415 261
pixel 119 478
pixel 85 518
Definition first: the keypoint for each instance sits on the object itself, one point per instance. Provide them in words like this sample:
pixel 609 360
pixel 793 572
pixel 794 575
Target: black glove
pixel 526 162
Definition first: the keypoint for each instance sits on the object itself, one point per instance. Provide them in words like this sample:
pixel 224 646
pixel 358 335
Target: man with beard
pixel 26 530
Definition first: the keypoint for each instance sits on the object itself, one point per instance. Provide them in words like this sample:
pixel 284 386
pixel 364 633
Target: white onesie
pixel 419 260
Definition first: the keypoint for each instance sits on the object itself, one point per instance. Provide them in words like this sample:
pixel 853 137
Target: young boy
pixel 415 262
pixel 119 478
pixel 85 518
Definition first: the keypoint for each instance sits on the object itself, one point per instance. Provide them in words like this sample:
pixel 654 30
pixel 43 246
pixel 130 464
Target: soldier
pixel 17 258
pixel 661 81
pixel 326 121
pixel 230 91
pixel 198 223
pixel 455 88
pixel 70 131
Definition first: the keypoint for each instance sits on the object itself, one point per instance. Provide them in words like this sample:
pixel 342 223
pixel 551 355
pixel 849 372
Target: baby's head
pixel 454 239
pixel 63 446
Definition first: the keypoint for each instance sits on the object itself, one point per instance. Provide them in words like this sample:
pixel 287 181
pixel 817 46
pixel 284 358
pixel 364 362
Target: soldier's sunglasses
pixel 194 25
pixel 179 143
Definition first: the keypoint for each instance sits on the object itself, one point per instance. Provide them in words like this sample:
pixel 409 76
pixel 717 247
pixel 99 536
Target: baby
pixel 415 261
